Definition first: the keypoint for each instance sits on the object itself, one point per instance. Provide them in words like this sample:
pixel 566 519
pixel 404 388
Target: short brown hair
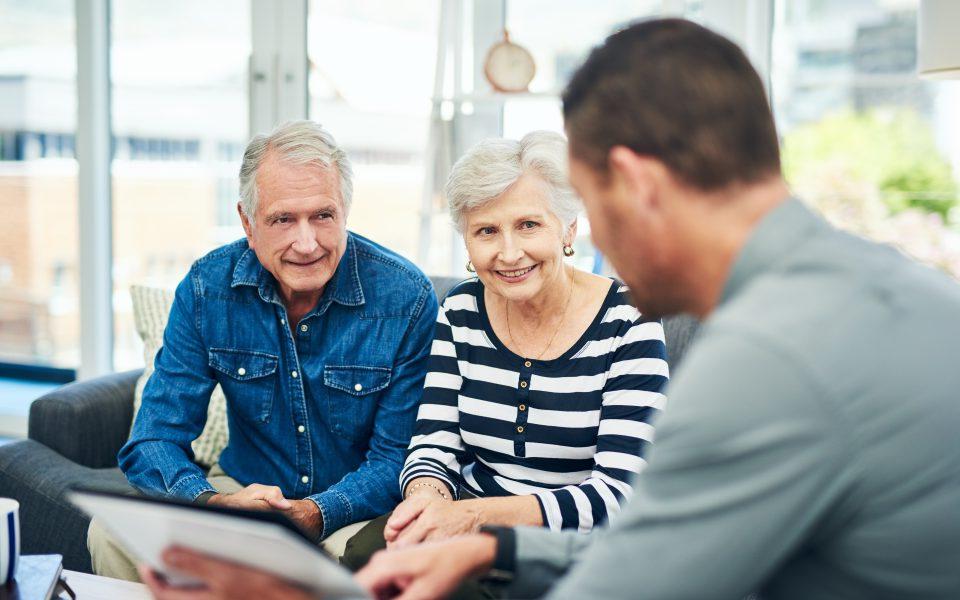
pixel 674 90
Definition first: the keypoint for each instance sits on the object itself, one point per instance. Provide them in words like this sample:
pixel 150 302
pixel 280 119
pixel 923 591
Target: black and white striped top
pixel 571 431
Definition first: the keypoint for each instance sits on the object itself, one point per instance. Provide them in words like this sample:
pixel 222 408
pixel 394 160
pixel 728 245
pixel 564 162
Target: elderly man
pixel 319 339
pixel 810 446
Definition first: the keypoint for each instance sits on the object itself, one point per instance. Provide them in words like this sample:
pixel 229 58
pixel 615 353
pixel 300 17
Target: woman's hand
pixel 422 518
pixel 419 493
pixel 406 513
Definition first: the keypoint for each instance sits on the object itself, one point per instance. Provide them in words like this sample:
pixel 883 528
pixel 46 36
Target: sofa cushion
pixel 151 308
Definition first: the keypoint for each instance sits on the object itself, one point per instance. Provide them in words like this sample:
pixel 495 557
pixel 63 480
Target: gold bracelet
pixel 440 491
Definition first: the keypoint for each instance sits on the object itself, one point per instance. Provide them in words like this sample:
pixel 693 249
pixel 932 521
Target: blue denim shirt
pixel 351 378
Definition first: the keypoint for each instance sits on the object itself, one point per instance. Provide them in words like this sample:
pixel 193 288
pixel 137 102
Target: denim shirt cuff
pixel 336 510
pixel 191 488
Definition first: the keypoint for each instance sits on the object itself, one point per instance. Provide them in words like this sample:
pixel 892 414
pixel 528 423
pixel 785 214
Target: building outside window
pixel 38 184
pixel 865 141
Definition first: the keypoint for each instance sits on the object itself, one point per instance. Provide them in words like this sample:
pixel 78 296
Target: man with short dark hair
pixel 810 446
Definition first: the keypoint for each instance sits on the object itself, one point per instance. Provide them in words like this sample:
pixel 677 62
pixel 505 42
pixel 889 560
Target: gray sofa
pixel 75 433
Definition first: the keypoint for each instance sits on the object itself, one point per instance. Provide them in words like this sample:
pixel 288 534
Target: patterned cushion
pixel 151 308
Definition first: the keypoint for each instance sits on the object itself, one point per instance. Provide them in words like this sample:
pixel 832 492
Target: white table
pixel 94 587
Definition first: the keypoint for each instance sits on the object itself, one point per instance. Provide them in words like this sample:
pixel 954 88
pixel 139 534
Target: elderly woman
pixel 542 379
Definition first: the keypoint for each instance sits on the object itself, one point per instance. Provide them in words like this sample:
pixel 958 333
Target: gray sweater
pixel 810 447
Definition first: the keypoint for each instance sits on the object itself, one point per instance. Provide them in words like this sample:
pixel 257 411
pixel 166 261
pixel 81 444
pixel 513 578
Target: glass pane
pixel 864 140
pixel 560 35
pixel 180 122
pixel 39 308
pixel 371 82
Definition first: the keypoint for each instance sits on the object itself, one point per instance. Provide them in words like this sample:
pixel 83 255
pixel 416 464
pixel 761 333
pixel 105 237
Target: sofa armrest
pixel 87 421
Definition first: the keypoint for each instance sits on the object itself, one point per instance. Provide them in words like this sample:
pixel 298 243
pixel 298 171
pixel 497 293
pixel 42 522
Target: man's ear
pixel 247 225
pixel 638 176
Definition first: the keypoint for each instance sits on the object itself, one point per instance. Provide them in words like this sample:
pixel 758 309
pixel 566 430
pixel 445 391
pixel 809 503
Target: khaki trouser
pixel 110 559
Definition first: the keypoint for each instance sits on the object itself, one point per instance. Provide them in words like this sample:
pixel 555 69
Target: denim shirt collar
pixel 343 288
pixel 777 234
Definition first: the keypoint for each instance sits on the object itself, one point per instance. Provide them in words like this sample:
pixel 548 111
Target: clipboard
pixel 264 540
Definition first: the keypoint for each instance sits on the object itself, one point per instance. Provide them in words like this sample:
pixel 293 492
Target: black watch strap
pixel 505 559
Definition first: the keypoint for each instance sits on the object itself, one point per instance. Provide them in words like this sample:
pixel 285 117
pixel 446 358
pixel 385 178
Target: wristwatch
pixel 504 561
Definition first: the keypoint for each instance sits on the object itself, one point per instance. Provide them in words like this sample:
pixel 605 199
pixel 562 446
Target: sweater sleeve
pixel 436 449
pixel 747 463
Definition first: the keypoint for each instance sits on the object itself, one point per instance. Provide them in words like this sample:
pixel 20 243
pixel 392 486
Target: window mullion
pixel 94 190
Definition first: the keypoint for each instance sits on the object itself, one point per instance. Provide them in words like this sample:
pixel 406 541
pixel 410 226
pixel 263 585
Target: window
pixel 864 140
pixel 560 35
pixel 179 73
pixel 39 294
pixel 371 81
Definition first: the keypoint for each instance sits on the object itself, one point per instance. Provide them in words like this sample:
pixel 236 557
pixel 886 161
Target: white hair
pixel 489 168
pixel 299 143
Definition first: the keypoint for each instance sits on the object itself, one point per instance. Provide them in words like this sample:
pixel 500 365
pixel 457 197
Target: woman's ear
pixel 570 235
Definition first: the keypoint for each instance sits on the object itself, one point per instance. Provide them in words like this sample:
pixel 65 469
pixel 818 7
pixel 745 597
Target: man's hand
pixel 423 518
pixel 253 497
pixel 431 570
pixel 306 514
pixel 223 580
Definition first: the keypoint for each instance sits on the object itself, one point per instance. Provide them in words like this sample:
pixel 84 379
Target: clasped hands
pixel 304 513
pixel 425 515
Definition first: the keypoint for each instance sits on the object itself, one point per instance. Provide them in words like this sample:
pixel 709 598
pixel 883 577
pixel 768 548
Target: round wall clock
pixel 509 67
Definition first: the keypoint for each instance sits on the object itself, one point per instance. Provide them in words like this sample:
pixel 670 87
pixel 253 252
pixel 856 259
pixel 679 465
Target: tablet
pixel 265 540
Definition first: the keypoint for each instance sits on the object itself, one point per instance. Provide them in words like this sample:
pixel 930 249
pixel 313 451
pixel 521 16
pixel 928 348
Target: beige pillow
pixel 151 308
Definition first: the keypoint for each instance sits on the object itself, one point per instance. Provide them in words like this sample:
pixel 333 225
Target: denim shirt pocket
pixel 248 379
pixel 351 398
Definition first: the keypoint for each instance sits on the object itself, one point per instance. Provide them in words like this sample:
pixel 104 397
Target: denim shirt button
pixel 304 328
pixel 301 429
pixel 305 479
pixel 293 374
pixel 358 387
pixel 241 371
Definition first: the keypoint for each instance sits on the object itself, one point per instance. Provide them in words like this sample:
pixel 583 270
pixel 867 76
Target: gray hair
pixel 299 143
pixel 493 165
